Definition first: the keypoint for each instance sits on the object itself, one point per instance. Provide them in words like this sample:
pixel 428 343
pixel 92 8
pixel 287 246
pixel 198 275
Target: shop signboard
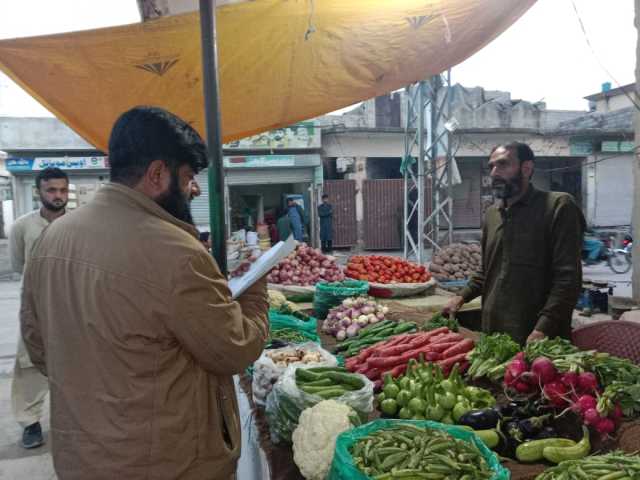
pixel 259 161
pixel 21 164
pixel 299 136
pixel 617 147
pixel 579 148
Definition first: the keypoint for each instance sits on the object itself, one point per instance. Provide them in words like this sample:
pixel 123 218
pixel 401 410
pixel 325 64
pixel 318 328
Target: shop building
pixel 261 172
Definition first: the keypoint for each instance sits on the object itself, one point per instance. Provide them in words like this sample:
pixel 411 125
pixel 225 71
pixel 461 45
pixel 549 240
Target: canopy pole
pixel 214 136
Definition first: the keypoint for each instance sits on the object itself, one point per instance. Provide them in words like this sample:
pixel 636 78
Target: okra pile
pixel 328 382
pixel 612 466
pixel 409 451
pixel 372 334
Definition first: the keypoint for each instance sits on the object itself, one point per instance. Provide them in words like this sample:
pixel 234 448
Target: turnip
pixel 543 370
pixel 380 316
pixel 346 322
pixel 587 382
pixel 366 310
pixel 352 330
pixel 341 335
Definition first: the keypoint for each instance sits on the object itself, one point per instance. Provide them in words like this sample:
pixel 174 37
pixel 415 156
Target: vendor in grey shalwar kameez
pixel 325 212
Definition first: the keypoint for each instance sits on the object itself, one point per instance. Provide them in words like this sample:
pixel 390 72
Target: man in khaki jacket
pixel 133 323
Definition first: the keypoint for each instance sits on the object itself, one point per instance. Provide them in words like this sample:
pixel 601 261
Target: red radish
pixel 592 417
pixel 570 379
pixel 584 403
pixel 543 370
pixel 522 387
pixel 617 412
pixel 514 371
pixel 605 426
pixel 556 393
pixel 587 382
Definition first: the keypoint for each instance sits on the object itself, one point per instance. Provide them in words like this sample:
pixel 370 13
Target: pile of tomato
pixel 384 269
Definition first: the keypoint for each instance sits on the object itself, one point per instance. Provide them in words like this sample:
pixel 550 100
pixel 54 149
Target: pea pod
pixel 575 452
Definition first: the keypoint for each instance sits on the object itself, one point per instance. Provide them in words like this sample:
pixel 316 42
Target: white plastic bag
pixel 266 373
pixel 286 402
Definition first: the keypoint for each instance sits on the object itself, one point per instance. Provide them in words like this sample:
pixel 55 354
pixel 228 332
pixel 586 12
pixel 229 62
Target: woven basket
pixel 616 337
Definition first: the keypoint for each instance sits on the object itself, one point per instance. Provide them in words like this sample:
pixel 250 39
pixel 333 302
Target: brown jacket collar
pixel 140 200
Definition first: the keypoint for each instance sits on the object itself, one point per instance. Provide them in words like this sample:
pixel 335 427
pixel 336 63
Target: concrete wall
pixel 610 104
pixel 20 133
pixel 611 190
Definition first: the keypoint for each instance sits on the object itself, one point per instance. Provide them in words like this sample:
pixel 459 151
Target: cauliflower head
pixel 314 439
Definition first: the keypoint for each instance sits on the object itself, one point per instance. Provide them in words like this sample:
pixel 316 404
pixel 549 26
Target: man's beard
pixel 505 189
pixel 53 207
pixel 175 202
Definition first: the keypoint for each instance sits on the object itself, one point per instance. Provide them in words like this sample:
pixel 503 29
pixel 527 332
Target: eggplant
pixel 512 436
pixel 481 419
pixel 547 432
pixel 530 427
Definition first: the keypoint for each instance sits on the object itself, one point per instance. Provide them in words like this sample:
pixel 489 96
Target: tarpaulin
pixel 280 61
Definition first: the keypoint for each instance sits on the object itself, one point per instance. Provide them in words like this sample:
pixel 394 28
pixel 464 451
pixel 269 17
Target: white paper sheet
pixel 261 266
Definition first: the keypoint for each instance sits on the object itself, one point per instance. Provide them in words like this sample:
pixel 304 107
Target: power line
pixel 595 55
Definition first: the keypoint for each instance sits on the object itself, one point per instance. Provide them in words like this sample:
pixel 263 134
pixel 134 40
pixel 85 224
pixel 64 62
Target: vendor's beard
pixel 505 189
pixel 175 202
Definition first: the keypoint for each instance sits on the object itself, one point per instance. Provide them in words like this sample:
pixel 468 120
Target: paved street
pixel 18 464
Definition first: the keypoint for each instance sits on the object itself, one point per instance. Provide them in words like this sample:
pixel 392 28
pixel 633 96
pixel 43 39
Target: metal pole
pixel 214 135
pixel 635 285
pixel 421 175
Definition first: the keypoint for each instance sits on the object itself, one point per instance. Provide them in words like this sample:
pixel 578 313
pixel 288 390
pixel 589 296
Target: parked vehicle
pixel 618 259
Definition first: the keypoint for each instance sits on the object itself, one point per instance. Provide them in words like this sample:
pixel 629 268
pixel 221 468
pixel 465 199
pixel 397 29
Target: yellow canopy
pixel 281 61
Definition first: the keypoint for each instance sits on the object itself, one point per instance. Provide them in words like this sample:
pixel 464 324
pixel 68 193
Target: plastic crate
pixel 616 337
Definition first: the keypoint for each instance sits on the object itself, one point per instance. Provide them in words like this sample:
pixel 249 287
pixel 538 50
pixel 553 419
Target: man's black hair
pixel 325 195
pixel 144 134
pixel 204 236
pixel 50 173
pixel 522 151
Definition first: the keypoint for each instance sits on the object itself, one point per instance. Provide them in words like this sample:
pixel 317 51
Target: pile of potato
pixel 457 261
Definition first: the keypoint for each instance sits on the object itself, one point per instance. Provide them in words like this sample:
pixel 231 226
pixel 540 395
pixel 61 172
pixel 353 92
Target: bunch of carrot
pixel 442 346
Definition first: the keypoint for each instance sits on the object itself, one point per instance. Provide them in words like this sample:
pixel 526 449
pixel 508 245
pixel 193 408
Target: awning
pixel 281 61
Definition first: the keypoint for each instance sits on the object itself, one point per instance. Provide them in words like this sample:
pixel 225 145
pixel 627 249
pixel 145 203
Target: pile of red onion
pixel 306 266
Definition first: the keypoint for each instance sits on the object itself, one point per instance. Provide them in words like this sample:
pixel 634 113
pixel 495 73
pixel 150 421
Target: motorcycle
pixel 618 259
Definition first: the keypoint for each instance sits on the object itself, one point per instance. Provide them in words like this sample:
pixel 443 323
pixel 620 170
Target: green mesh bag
pixel 329 295
pixel 343 468
pixel 279 320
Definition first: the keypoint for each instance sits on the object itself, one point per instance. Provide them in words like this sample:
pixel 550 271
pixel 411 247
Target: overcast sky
pixel 544 56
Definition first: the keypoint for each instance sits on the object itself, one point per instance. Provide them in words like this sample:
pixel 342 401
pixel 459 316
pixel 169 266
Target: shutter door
pixel 200 205
pixel 267 176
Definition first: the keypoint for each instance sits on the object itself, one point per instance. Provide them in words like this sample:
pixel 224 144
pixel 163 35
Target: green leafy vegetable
pixel 439 320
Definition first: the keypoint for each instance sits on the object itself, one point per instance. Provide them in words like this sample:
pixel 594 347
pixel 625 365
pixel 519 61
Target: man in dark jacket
pixel 297 219
pixel 325 212
pixel 531 270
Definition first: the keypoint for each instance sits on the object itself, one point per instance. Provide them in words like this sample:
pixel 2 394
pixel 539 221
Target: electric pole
pixel 635 286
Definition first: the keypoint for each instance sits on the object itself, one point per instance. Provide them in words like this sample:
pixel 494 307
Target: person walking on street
pixel 531 271
pixel 29 387
pixel 296 217
pixel 325 212
pixel 134 324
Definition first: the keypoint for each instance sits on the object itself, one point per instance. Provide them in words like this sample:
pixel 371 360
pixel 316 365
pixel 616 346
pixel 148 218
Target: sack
pixel 397 290
pixel 294 293
pixel 309 328
pixel 342 467
pixel 266 373
pixel 329 295
pixel 286 402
